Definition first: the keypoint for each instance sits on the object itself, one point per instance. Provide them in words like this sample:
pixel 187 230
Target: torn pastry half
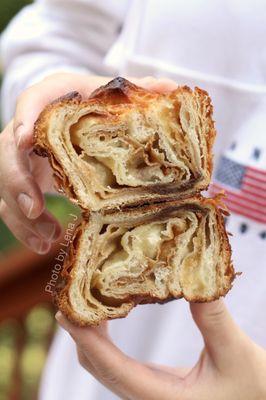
pixel 150 254
pixel 126 145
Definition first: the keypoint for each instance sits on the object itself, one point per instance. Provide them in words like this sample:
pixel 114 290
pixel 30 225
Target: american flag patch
pixel 245 189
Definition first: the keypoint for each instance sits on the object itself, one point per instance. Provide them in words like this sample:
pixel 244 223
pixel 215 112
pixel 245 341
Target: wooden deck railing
pixel 23 276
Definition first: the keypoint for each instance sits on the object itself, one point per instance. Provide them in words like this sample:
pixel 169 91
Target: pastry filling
pixel 159 145
pixel 175 257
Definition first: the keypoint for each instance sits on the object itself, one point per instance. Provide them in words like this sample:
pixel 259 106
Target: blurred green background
pixel 8 8
pixel 58 206
pixel 39 323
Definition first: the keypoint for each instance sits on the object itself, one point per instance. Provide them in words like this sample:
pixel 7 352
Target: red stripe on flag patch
pixel 247 183
pixel 237 195
pixel 253 193
pixel 256 178
pixel 247 214
pixel 243 204
pixel 257 171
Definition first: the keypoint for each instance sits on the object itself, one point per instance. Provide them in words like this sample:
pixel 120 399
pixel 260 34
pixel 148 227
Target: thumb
pixel 219 331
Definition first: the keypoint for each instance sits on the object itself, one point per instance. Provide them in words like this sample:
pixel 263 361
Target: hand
pixel 231 366
pixel 25 177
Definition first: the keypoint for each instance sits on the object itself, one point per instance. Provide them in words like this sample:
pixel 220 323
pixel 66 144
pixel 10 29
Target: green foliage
pixel 8 8
pixel 32 363
pixel 40 321
pixel 7 358
pixel 7 240
pixel 39 325
pixel 59 206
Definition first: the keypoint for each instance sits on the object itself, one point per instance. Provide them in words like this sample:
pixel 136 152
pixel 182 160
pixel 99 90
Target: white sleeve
pixel 54 35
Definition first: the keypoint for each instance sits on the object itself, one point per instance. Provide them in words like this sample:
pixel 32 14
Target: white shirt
pixel 218 45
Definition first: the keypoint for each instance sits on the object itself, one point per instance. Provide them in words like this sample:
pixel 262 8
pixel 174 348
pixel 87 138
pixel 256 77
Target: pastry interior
pixel 136 162
pixel 128 151
pixel 172 252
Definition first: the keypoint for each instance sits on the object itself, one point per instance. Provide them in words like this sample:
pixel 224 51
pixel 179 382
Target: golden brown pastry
pixel 136 162
pixel 150 254
pixel 127 145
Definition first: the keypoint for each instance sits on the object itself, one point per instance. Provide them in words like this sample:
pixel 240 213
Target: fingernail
pixel 19 131
pixel 58 316
pixel 38 245
pixel 62 321
pixel 46 229
pixel 25 203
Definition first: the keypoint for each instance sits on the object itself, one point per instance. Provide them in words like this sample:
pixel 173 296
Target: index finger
pixel 29 105
pixel 161 85
pixel 32 101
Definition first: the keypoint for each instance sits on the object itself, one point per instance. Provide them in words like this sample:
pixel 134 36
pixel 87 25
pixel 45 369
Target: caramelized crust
pixel 126 144
pixel 136 162
pixel 156 253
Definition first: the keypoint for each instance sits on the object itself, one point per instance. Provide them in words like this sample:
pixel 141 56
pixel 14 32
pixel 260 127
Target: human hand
pixel 231 366
pixel 25 177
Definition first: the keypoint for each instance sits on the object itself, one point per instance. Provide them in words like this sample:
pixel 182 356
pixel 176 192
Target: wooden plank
pixel 23 276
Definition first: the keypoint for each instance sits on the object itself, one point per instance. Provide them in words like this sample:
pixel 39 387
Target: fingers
pixel 178 372
pixel 32 101
pixel 121 374
pixel 29 105
pixel 162 85
pixel 220 333
pixel 85 362
pixel 22 201
pixel 36 234
pixel 18 188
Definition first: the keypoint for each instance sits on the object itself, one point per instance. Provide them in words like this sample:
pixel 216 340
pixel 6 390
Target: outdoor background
pixel 24 335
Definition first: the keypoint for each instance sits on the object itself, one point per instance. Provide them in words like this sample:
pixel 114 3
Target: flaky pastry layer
pixel 127 145
pixel 136 161
pixel 152 254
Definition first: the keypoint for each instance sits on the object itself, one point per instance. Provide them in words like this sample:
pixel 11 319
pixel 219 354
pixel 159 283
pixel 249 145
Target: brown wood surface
pixel 23 276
